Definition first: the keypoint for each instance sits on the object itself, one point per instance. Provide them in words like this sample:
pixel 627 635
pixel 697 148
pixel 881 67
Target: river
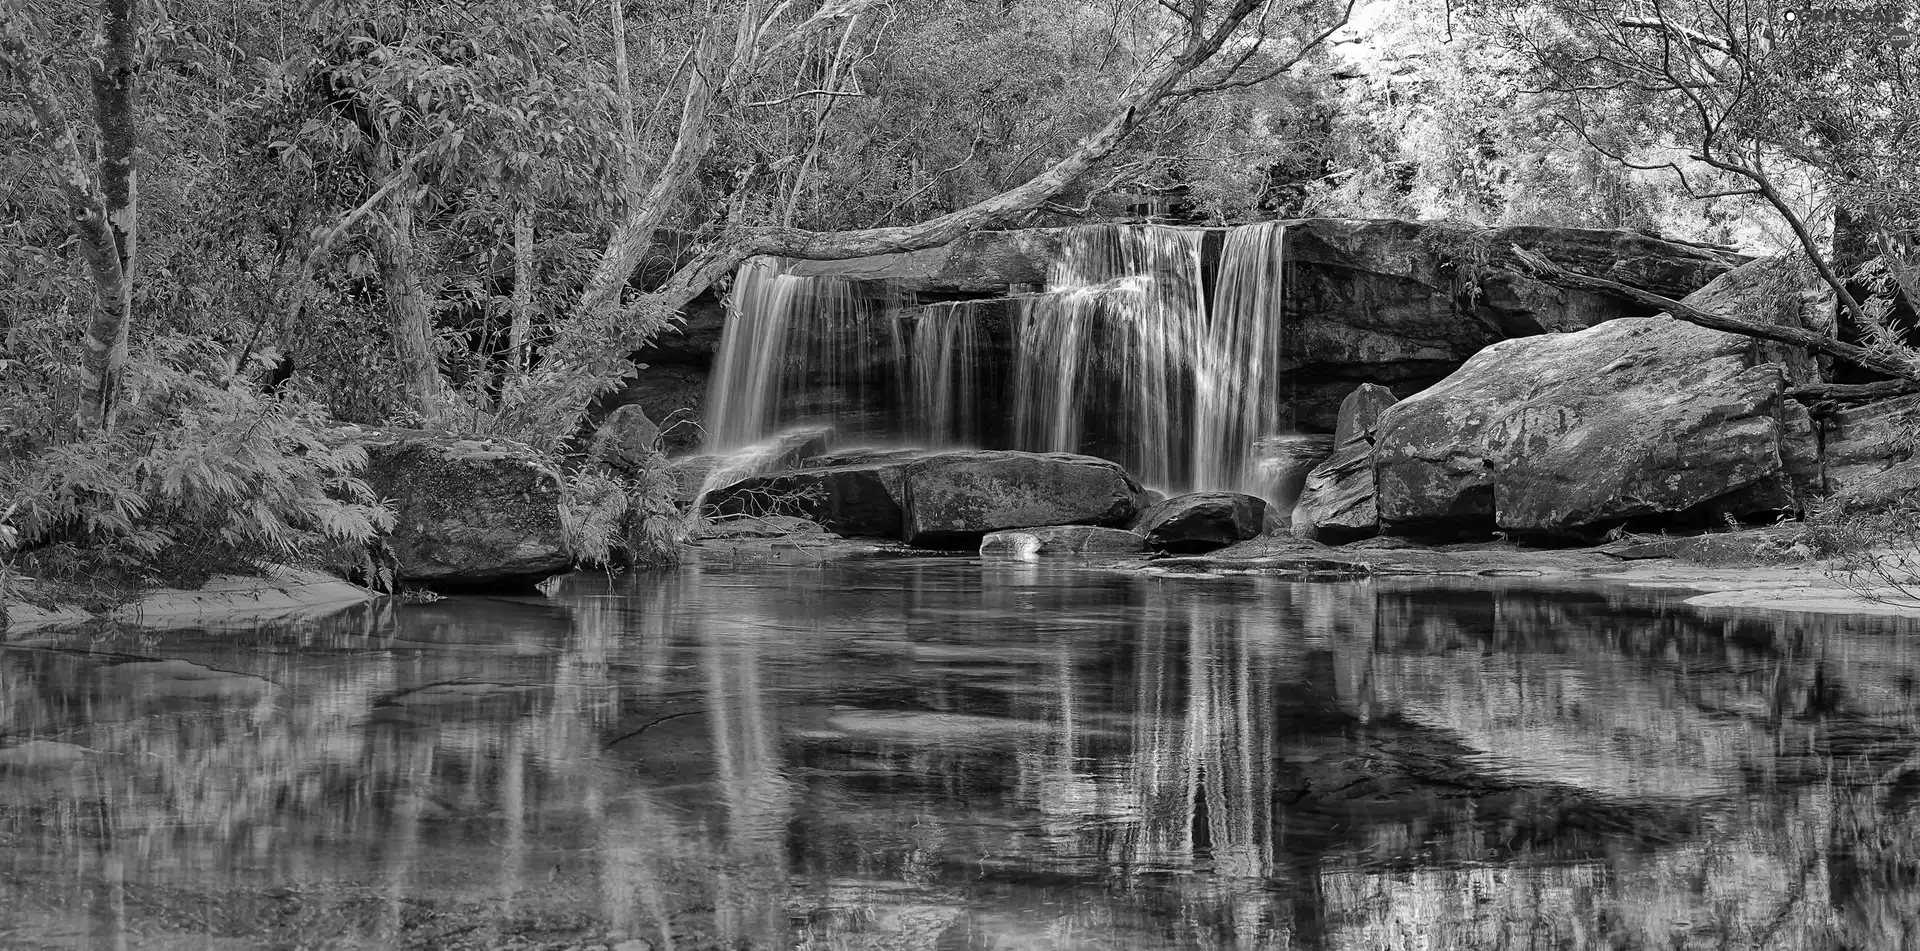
pixel 939 754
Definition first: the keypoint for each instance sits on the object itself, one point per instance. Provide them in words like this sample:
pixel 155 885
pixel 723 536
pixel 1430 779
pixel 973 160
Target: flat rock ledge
pixel 1802 587
pixel 281 593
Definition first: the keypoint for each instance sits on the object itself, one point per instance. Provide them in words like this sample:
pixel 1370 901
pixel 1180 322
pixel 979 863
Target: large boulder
pixel 1060 540
pixel 1202 521
pixel 468 513
pixel 1562 434
pixel 954 498
pixel 1336 503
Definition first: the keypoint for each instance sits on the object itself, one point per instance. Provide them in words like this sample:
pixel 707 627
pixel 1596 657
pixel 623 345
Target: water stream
pixel 935 754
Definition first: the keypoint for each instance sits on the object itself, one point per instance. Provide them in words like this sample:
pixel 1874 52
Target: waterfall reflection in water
pixel 935 754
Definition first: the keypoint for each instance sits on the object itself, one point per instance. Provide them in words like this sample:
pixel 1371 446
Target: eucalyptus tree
pixel 1758 98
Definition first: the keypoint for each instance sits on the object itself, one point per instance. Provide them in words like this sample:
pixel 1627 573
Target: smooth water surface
pixel 943 755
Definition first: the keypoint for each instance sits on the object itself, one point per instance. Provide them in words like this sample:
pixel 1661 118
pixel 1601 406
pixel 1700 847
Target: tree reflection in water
pixel 934 754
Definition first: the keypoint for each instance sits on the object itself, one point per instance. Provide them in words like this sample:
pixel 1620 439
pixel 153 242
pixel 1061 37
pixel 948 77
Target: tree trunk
pixel 104 214
pixel 116 103
pixel 522 326
pixel 408 309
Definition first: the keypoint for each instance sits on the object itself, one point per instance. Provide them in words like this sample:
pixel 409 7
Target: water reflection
pixel 933 754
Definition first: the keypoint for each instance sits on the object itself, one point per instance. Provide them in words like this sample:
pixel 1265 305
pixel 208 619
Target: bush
pixel 202 474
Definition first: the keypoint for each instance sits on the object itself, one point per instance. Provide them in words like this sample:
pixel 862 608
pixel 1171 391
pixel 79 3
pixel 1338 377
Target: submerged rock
pixel 468 512
pixel 1336 503
pixel 1565 433
pixel 1029 543
pixel 1202 521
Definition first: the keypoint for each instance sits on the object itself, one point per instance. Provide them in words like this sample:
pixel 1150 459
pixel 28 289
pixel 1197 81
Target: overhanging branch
pixel 1859 356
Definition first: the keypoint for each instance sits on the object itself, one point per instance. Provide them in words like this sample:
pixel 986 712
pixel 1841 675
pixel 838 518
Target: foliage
pixel 613 517
pixel 200 476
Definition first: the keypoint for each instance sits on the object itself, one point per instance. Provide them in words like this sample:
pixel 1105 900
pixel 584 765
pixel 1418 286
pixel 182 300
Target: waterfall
pixel 1237 376
pixel 1135 350
pixel 1122 356
pixel 799 348
pixel 1103 354
pixel 946 370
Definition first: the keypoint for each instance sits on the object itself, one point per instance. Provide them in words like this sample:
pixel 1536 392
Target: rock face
pixel 1202 521
pixel 1060 540
pixel 943 500
pixel 1403 304
pixel 1336 504
pixel 468 513
pixel 1860 443
pixel 1564 434
pixel 1396 303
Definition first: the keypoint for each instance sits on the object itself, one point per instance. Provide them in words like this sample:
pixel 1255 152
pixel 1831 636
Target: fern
pixel 197 477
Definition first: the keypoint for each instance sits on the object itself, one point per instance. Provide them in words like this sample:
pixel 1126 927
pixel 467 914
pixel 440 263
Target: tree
pixel 1747 98
pixel 103 195
pixel 742 62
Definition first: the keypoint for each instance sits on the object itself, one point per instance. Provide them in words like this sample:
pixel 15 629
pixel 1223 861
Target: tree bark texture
pixel 102 203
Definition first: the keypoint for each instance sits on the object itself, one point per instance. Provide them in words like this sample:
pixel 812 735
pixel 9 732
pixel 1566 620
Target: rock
pixel 1030 543
pixel 1565 433
pixel 938 500
pixel 954 498
pixel 1396 303
pixel 671 395
pixel 1360 413
pixel 1336 503
pixel 1285 460
pixel 861 499
pixel 1202 521
pixel 1860 443
pixel 626 440
pixel 467 512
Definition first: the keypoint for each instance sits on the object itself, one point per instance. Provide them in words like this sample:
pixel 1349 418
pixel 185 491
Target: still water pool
pixel 939 754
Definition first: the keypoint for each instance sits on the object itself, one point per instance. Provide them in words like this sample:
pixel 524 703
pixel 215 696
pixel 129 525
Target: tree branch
pixel 1858 356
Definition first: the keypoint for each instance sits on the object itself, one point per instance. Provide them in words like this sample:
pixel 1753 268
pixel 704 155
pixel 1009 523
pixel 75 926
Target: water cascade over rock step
pixel 1174 351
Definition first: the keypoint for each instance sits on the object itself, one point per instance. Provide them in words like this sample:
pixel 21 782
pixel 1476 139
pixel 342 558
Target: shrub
pixel 201 474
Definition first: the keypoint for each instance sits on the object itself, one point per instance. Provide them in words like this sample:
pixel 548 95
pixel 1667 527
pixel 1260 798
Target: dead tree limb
pixel 1858 356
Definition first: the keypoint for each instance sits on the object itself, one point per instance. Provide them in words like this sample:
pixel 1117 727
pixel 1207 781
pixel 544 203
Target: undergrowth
pixel 202 474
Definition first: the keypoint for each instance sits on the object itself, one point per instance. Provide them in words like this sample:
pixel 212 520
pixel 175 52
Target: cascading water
pixel 799 348
pixel 945 358
pixel 1122 357
pixel 1127 354
pixel 1103 355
